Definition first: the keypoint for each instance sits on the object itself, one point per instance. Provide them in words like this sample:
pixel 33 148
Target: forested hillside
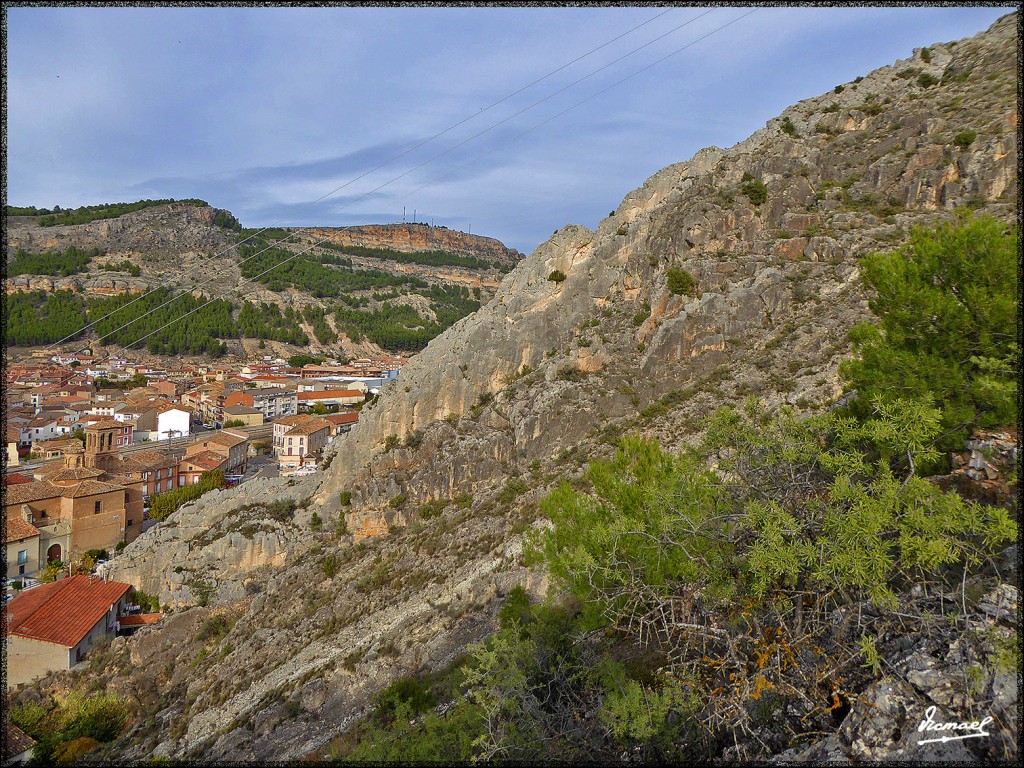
pixel 268 287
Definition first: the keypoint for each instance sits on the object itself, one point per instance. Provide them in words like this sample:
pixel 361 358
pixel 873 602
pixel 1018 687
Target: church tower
pixel 101 450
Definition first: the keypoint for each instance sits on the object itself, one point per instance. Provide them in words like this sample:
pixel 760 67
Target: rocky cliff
pixel 420 508
pixel 413 237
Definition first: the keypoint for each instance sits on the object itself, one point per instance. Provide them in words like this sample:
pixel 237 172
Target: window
pixel 22 556
pixel 195 479
pixel 98 506
pixel 158 473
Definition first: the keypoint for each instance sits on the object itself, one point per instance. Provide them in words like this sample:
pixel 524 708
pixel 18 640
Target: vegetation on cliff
pixel 87 213
pixel 947 303
pixel 690 607
pixel 38 317
pixel 70 261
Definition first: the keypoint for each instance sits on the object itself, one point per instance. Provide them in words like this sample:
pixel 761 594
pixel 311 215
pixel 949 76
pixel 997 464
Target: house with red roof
pixel 341 422
pixel 53 626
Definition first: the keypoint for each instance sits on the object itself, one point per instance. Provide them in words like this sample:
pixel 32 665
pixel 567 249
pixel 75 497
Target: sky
pixel 509 122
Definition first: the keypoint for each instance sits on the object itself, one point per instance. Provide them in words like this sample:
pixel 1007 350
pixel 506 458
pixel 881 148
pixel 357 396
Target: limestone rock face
pixel 777 285
pixel 163 230
pixel 414 237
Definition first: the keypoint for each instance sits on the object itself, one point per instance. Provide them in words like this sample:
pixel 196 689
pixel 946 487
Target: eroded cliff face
pixel 444 472
pixel 414 237
pixel 777 288
pixel 151 233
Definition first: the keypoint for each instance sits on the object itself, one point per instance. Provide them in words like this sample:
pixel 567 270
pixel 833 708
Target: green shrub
pixel 681 282
pixel 557 276
pixel 964 139
pixel 513 489
pixel 162 505
pixel 571 373
pixel 390 442
pixel 755 190
pixel 927 80
pixel 396 501
pixel 788 128
pixel 949 288
pixel 345 497
pixel 315 523
pixel 432 508
pixel 214 627
pixel 330 564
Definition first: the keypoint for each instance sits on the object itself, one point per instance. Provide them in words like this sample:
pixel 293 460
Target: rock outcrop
pixel 414 237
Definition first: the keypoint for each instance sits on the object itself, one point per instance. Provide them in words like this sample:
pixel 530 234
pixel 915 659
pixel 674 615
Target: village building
pixel 81 503
pixel 53 626
pixel 250 417
pixel 22 548
pixel 299 440
pixel 330 397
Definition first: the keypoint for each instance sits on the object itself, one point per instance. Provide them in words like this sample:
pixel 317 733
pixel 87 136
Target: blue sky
pixel 273 113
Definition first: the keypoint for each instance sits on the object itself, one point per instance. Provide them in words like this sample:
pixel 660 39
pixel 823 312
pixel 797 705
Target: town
pixel 98 450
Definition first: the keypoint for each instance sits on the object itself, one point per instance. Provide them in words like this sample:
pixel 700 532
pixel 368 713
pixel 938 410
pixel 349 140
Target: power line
pixel 435 157
pixel 364 175
pixel 577 104
pixel 538 125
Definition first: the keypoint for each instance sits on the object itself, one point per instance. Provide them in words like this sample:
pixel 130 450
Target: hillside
pixel 429 276
pixel 423 506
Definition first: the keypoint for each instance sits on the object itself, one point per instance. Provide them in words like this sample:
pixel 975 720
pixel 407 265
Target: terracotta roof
pixel 328 394
pixel 291 421
pixel 139 619
pixel 16 740
pixel 60 443
pixel 106 424
pixel 63 612
pixel 309 428
pixel 18 529
pixel 145 461
pixel 91 488
pixel 207 460
pixel 22 494
pixel 226 439
pixel 42 421
pixel 16 478
pixel 341 418
pixel 64 474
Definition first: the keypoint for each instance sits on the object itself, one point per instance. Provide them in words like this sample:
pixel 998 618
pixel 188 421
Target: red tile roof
pixel 34 491
pixel 16 478
pixel 63 612
pixel 206 460
pixel 138 620
pixel 18 529
pixel 341 418
pixel 329 394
